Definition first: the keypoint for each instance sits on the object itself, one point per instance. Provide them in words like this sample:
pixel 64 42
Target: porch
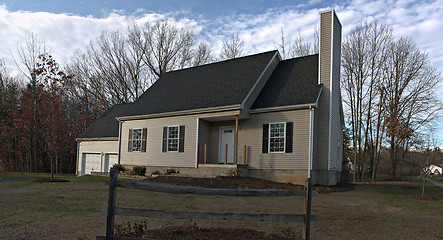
pixel 217 144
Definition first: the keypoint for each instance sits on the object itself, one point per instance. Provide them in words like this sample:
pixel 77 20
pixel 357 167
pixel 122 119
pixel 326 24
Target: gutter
pixel 284 108
pixel 97 139
pixel 180 113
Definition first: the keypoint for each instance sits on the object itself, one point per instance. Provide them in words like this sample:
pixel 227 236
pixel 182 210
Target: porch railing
pixel 203 154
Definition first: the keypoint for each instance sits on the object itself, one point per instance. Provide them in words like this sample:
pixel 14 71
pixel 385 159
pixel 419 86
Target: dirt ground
pixel 241 183
pixel 70 210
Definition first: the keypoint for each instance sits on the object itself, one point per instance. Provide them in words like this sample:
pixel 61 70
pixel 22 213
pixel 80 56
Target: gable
pixel 293 82
pixel 224 83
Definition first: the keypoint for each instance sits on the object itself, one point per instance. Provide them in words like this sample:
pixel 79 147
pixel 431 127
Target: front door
pixel 226 145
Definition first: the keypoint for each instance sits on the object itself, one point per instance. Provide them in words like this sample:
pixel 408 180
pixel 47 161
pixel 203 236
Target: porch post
pixel 236 140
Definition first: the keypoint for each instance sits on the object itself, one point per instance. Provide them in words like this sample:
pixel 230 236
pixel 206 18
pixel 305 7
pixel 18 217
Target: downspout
pixel 119 140
pixel 78 154
pixel 196 143
pixel 311 140
pixel 236 140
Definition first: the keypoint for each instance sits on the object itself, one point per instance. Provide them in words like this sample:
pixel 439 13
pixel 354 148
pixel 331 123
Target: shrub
pixel 141 171
pixel 171 170
pixel 120 167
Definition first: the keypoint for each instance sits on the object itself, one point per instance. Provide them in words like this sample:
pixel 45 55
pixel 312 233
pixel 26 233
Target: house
pixel 434 169
pixel 258 115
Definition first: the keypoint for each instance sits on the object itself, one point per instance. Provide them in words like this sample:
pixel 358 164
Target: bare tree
pixel 203 54
pixel 282 46
pixel 298 47
pixel 363 54
pixel 411 103
pixel 165 47
pixel 116 63
pixel 233 47
pixel 28 52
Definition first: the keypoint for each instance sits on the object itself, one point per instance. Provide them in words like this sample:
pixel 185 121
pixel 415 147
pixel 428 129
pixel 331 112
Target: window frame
pixel 270 138
pixel 177 139
pixel 141 139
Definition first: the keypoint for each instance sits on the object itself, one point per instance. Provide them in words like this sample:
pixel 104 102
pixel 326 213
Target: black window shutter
pixel 289 136
pixel 265 138
pixel 165 139
pixel 130 141
pixel 144 136
pixel 181 140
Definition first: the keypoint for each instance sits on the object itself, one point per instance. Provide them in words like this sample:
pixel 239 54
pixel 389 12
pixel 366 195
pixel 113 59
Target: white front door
pixel 226 137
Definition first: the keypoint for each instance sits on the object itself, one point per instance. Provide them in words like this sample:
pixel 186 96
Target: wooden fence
pixel 113 210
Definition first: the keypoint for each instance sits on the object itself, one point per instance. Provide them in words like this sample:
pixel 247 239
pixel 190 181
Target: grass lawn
pixel 70 210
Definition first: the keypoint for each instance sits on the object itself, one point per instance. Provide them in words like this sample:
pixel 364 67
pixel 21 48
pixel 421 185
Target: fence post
pixel 307 222
pixel 111 203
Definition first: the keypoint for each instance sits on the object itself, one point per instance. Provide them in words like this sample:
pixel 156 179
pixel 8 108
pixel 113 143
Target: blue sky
pixel 67 25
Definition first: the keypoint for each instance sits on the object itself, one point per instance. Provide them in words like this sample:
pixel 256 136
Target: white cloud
pixel 64 33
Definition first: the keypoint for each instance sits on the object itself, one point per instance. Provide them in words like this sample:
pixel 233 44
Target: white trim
pixel 76 163
pixel 178 138
pixel 283 108
pixel 319 94
pixel 97 139
pixel 196 143
pixel 119 141
pixel 311 141
pixel 284 137
pixel 258 80
pixel 183 112
pixel 141 139
pixel 220 147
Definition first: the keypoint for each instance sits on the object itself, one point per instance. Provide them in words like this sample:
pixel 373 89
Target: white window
pixel 173 136
pixel 277 135
pixel 136 140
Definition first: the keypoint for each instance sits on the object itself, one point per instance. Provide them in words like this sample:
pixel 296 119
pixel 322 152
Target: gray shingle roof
pixel 218 84
pixel 106 125
pixel 294 81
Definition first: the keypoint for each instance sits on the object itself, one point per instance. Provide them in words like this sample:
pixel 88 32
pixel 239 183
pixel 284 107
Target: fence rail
pixel 113 210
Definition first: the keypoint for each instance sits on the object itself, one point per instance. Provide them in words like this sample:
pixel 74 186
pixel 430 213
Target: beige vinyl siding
pixel 335 154
pixel 261 82
pixel 250 134
pixel 203 137
pixel 322 112
pixel 100 147
pixel 154 155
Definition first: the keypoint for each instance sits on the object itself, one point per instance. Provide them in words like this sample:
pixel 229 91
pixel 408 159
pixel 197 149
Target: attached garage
pixel 91 162
pixel 110 160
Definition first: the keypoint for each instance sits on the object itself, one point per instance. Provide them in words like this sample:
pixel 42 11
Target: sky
pixel 68 25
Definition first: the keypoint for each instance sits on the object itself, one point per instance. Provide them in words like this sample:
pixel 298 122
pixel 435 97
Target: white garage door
pixel 91 162
pixel 110 160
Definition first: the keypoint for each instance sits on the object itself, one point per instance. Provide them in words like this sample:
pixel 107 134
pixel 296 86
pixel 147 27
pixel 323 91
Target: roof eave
pixel 284 108
pixel 97 139
pixel 183 112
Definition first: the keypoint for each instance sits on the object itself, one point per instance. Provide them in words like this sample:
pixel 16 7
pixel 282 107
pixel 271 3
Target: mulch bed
pixel 45 180
pixel 242 183
pixel 194 232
